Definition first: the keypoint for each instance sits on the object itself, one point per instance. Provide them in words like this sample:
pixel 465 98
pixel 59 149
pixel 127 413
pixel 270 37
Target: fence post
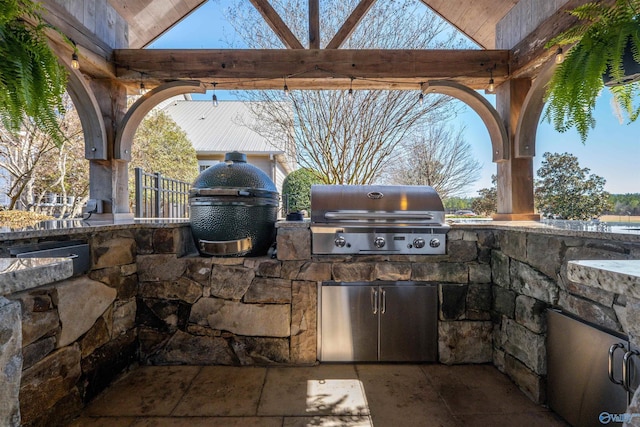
pixel 159 194
pixel 138 195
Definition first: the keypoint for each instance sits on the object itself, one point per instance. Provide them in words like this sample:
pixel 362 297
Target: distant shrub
pixel 296 188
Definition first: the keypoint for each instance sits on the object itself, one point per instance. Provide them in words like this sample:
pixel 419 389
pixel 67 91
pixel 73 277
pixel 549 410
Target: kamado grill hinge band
pixel 230 247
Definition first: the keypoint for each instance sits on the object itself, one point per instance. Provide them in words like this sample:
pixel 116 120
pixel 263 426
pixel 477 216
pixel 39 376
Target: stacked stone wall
pixel 150 298
pixel 79 334
pixel 243 311
pixel 530 275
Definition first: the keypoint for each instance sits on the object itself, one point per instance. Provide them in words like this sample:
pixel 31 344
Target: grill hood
pixel 377 219
pixel 376 203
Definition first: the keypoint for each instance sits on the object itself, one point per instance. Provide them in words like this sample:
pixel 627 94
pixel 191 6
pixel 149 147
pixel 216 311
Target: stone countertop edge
pixel 305 223
pixel 21 274
pixel 618 276
pixel 541 228
pixel 87 227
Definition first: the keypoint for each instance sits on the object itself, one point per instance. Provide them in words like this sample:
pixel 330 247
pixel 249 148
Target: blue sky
pixel 611 151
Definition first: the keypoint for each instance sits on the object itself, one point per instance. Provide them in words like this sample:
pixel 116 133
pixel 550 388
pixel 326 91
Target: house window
pixel 205 164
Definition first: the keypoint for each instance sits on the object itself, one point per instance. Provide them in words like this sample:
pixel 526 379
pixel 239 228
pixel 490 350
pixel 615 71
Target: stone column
pixel 515 175
pixel 10 362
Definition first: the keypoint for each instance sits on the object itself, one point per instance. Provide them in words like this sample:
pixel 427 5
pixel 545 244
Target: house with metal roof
pixel 231 126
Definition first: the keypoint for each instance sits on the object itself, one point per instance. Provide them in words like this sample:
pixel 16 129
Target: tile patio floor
pixel 325 395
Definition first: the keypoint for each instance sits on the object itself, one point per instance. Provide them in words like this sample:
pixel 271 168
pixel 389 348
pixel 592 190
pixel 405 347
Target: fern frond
pixel 32 81
pixel 601 39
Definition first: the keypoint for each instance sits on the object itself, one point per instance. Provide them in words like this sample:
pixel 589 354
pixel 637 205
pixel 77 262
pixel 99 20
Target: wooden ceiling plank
pixel 314 24
pixel 476 19
pixel 452 21
pixel 350 24
pixel 276 23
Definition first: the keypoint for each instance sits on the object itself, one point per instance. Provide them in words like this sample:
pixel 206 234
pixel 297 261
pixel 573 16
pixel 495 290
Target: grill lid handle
pixel 387 216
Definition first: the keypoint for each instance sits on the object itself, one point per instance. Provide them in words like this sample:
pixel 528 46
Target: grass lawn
pixel 620 218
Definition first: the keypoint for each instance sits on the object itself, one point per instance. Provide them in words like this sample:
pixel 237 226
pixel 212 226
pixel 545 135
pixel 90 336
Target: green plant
pixel 296 189
pixel 32 81
pixel 601 38
pixel 567 190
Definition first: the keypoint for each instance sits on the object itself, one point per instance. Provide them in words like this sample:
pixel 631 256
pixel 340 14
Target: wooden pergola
pixel 111 36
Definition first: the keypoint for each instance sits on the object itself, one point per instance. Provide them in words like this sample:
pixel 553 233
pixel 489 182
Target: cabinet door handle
pixel 384 302
pixel 612 350
pixel 374 300
pixel 626 370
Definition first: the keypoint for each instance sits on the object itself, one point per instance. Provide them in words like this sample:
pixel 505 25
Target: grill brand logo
pixel 375 195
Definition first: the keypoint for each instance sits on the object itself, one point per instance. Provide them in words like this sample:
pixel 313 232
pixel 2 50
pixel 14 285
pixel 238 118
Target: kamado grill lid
pixel 234 174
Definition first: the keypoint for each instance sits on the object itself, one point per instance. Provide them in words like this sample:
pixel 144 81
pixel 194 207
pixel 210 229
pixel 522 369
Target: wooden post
pixel 515 175
pixel 108 179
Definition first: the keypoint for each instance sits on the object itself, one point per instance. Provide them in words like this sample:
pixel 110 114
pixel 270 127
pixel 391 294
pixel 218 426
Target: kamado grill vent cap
pixel 235 157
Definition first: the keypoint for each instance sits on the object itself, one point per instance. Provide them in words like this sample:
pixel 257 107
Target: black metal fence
pixel 160 197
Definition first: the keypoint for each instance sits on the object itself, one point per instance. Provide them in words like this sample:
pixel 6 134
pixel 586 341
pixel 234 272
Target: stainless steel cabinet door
pixel 578 384
pixel 408 327
pixel 349 323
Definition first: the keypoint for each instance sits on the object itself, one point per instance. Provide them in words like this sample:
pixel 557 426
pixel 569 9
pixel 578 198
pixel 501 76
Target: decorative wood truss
pixel 312 68
pixel 328 68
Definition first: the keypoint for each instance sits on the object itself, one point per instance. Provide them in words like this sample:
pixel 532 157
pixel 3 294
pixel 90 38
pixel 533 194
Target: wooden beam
pixel 313 69
pixel 277 24
pixel 350 24
pixel 530 54
pixel 95 55
pixel 314 24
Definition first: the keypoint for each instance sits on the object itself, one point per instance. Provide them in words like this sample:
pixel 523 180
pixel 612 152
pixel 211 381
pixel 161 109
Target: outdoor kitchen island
pixel 154 301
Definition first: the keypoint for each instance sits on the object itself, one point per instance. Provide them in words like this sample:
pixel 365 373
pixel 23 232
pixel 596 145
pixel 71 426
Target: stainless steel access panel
pixel 586 371
pixel 378 321
pixel 76 250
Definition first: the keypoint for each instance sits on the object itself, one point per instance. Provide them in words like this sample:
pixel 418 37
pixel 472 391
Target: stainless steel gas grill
pixel 377 219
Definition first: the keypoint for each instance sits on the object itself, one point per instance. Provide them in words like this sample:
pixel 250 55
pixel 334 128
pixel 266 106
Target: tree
pixel 347 136
pixel 296 189
pixel 160 145
pixel 452 204
pixel 37 167
pixel 625 204
pixel 487 202
pixel 439 157
pixel 567 190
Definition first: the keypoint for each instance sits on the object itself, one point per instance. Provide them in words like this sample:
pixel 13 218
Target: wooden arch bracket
pixel 488 114
pixel 137 112
pixel 525 137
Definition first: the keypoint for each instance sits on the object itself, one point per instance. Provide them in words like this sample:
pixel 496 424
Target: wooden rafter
pixel 314 24
pixel 313 69
pixel 276 23
pixel 350 24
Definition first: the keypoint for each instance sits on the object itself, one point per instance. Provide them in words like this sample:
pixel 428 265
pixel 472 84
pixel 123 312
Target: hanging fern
pixel 601 39
pixel 32 81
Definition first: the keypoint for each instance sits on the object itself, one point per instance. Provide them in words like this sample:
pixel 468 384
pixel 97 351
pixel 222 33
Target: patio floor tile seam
pixel 186 391
pixel 264 383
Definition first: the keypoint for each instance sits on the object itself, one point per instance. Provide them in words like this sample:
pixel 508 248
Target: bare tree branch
pixel 347 138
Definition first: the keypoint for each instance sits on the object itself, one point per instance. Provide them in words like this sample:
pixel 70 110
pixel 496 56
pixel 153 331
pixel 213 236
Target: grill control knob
pixel 340 242
pixel 419 243
pixel 434 243
pixel 379 242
